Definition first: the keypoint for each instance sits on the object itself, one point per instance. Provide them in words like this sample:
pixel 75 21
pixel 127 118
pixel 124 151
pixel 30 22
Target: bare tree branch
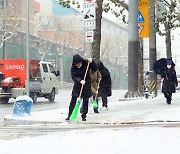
pixel 122 3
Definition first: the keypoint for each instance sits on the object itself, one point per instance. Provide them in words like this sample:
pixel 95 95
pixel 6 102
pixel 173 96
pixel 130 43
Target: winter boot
pixel 168 101
pixel 104 108
pixel 83 119
pixel 96 111
pixel 67 119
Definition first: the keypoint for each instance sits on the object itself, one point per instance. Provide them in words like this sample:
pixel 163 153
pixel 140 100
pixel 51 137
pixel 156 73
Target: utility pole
pixel 152 41
pixel 133 40
pixel 4 27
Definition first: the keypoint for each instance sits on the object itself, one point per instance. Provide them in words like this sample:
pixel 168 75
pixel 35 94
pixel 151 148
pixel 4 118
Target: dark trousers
pixel 84 106
pixel 104 102
pixel 168 96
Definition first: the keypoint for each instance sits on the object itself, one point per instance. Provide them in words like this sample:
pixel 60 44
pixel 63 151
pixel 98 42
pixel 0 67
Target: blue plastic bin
pixel 22 106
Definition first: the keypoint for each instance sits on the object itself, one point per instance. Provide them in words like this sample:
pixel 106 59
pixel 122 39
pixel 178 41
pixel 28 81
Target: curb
pixel 11 121
pixel 79 124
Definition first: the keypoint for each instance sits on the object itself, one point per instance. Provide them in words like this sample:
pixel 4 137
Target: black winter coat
pixel 105 84
pixel 170 81
pixel 77 75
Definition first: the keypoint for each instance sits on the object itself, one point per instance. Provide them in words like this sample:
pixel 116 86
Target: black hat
pixel 77 59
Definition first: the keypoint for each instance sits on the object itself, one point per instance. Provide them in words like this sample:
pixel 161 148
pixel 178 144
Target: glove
pixel 82 82
pixel 90 60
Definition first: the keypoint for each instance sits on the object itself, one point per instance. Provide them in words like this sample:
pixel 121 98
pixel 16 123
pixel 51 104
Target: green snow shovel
pixel 75 111
pixel 94 103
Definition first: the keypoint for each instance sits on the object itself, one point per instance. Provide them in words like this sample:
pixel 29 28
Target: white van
pixel 44 82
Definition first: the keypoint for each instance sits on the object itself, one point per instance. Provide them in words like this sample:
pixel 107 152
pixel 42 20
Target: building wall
pixel 45 6
pixel 65 29
pixel 15 15
pixel 114 51
pixel 114 42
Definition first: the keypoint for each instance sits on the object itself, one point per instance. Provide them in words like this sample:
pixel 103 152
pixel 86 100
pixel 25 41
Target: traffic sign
pixel 140 29
pixel 89 36
pixel 143 18
pixel 89 11
pixel 140 17
pixel 89 25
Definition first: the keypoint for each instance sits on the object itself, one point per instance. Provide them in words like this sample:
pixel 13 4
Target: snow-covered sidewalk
pixel 128 111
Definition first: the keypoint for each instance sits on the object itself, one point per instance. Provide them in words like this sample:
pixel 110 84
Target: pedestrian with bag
pixel 169 80
pixel 105 85
pixel 78 72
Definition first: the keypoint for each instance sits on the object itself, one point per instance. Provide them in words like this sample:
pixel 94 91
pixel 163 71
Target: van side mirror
pixel 57 73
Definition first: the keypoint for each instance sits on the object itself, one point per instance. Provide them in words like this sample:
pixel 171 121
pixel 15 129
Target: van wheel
pixel 34 97
pixel 4 100
pixel 52 96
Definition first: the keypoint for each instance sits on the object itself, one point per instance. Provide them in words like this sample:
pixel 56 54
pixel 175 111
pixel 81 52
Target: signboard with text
pixel 143 18
pixel 89 12
pixel 89 25
pixel 89 36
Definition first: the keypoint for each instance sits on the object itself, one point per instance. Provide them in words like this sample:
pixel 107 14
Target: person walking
pixel 105 85
pixel 95 80
pixel 78 69
pixel 169 81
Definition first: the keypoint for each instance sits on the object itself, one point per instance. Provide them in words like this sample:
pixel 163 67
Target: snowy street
pixel 130 126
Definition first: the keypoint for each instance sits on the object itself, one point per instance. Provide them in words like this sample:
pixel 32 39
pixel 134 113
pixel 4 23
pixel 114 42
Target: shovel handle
pixel 97 87
pixel 84 79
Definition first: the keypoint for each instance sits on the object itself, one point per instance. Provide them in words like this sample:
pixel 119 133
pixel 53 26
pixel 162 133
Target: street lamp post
pixel 27 47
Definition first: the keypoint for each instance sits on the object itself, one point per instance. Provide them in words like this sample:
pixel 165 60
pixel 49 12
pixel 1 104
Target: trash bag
pixel 22 106
pixel 160 65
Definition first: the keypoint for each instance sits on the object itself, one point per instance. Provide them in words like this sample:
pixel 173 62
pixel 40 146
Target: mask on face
pixel 168 66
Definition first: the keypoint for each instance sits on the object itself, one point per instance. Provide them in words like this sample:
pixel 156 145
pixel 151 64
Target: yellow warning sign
pixel 153 85
pixel 143 18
